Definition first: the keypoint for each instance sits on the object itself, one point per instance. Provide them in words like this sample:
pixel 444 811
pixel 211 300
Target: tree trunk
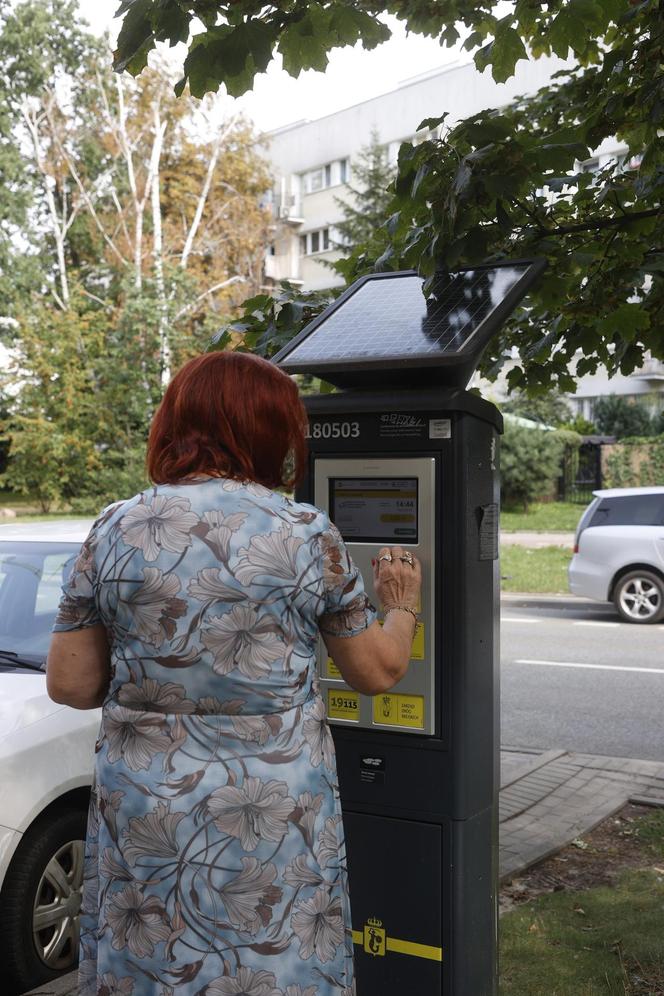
pixel 157 247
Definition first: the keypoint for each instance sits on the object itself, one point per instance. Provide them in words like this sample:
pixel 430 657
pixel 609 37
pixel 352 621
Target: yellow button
pixel 411 711
pixel 343 705
pixel 332 669
pixel 385 709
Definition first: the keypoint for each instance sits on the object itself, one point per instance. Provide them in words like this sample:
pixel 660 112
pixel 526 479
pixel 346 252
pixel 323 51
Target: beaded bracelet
pixel 404 608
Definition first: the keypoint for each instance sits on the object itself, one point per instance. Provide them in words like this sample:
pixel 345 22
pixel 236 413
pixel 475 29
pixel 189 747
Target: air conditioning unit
pixel 284 211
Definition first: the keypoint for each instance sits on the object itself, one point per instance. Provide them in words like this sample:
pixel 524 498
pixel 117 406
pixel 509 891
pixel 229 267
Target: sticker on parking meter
pixel 488 531
pixel 440 428
pixel 411 711
pixel 417 652
pixel 343 705
pixel 385 709
pixel 399 710
pixel 332 669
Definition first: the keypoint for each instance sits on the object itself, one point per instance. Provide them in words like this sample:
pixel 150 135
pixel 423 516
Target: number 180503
pixel 334 430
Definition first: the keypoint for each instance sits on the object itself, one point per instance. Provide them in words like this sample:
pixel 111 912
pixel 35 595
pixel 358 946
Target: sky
pixel 352 76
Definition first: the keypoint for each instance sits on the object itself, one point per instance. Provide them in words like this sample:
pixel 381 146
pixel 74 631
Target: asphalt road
pixel 574 677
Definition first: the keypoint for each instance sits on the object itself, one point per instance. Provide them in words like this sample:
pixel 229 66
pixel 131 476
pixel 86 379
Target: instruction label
pixel 332 670
pixel 343 705
pixel 392 709
pixel 417 651
pixel 440 428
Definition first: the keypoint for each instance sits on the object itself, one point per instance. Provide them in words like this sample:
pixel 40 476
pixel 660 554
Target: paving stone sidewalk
pixel 547 799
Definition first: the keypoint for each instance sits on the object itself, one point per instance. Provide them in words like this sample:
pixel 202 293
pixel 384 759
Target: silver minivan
pixel 619 552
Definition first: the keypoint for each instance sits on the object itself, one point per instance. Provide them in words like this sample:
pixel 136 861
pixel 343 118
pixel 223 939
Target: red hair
pixel 229 414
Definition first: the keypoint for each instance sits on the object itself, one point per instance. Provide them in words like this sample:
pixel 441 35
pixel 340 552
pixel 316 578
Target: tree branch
pixel 59 231
pixel 599 224
pixel 207 183
pixel 81 187
pixel 211 290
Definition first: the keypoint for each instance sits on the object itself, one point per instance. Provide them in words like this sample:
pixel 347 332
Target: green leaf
pixel 347 26
pixel 507 49
pixel 304 43
pixel 172 22
pixel 627 321
pixel 462 178
pixel 136 37
pixel 229 55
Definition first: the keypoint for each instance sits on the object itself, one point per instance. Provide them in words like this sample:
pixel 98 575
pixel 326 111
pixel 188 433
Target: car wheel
pixel 639 597
pixel 40 903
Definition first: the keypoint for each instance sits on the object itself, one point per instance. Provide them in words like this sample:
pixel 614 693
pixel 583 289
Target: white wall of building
pixel 307 160
pixel 298 150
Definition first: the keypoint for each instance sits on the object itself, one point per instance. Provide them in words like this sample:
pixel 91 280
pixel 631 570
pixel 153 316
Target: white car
pixel 46 761
pixel 619 552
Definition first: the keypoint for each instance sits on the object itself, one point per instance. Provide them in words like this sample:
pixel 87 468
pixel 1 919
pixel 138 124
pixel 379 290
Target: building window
pixel 314 181
pixel 328 175
pixel 316 241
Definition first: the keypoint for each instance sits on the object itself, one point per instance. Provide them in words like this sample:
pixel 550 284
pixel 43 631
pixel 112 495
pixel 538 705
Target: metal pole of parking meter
pixel 404 454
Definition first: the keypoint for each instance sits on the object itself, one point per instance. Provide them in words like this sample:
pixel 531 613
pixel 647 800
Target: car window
pixel 31 576
pixel 586 518
pixel 630 510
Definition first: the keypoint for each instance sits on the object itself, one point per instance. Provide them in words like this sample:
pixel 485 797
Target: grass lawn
pixel 601 941
pixel 605 940
pixel 29 510
pixel 545 517
pixel 526 569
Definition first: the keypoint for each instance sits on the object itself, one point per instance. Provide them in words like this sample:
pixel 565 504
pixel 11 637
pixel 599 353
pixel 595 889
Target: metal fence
pixel 581 473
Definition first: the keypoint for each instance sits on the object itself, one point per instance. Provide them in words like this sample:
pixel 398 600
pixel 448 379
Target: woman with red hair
pixel 215 859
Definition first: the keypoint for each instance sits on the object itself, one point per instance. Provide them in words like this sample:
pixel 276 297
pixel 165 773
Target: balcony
pixel 279 268
pixel 289 211
pixel 652 370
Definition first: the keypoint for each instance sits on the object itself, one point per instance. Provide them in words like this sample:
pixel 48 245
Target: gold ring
pixel 407 557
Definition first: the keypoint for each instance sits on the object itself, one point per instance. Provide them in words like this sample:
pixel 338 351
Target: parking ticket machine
pixel 402 454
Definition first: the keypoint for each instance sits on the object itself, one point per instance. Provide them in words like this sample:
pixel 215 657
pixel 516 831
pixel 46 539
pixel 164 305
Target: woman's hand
pixel 377 659
pixel 397 577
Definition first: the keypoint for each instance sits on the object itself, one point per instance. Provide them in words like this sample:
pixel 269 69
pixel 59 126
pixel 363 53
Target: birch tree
pixel 134 216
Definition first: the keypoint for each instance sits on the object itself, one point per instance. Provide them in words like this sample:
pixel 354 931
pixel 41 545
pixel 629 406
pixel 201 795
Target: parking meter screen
pixel 382 509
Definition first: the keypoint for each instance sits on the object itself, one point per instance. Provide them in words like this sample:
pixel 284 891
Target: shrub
pixel 532 461
pixel 616 416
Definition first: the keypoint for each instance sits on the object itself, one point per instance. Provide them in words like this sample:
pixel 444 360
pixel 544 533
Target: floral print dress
pixel 215 859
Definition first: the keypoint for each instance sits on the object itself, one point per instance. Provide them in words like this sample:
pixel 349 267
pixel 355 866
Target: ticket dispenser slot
pixel 375 503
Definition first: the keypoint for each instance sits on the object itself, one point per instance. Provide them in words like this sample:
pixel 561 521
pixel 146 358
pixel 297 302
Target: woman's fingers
pixel 397 575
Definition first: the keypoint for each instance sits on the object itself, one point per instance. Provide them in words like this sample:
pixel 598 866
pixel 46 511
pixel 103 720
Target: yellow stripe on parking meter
pixel 399 946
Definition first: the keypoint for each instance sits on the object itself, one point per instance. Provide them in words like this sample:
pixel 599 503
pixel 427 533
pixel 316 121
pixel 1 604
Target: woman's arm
pixel 78 667
pixel 375 660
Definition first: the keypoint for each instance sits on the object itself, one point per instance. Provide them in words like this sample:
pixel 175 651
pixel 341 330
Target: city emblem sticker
pixel 374 937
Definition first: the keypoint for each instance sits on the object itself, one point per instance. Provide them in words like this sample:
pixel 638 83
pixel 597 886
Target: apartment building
pixel 312 164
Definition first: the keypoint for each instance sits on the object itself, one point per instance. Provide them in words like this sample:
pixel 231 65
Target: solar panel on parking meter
pixel 383 328
pixel 417 465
